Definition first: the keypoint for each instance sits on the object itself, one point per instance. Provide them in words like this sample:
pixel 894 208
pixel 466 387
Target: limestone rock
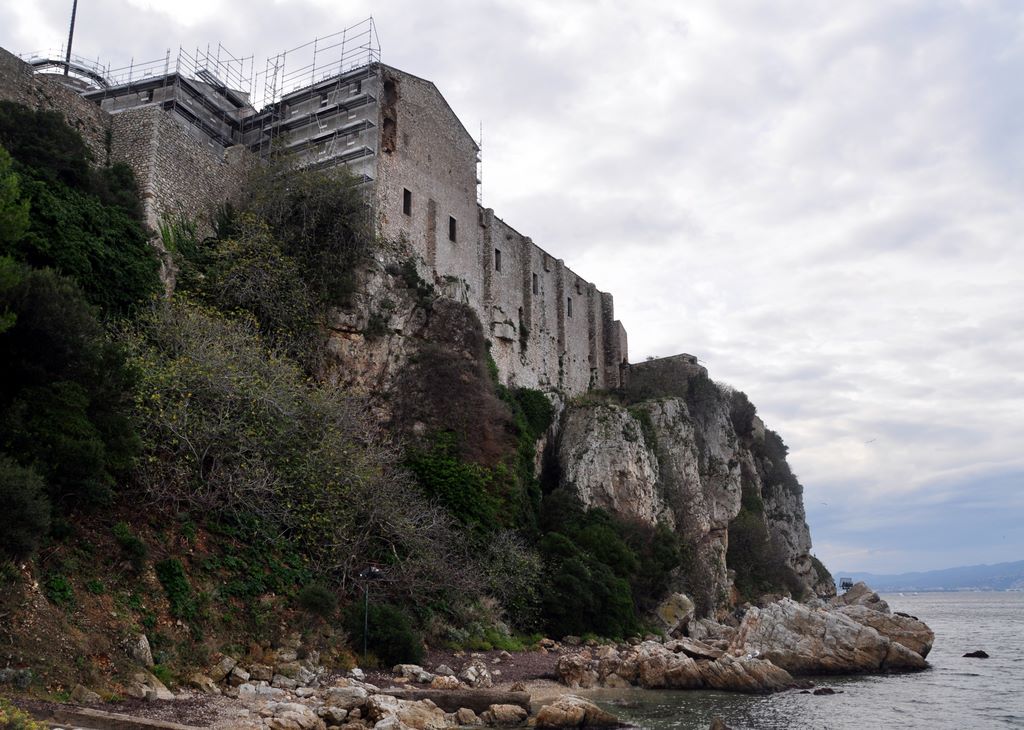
pixel 504 715
pixel 291 716
pixel 347 698
pixel 816 641
pixel 203 683
pixel 694 649
pixel 155 688
pixel 476 675
pixel 222 668
pixel 422 715
pixel 140 651
pixel 84 696
pixel 739 674
pixel 282 682
pixel 444 670
pixel 332 715
pixel 261 672
pixel 905 630
pixel 675 612
pixel 573 711
pixel 861 595
pixel 466 717
pixel 444 682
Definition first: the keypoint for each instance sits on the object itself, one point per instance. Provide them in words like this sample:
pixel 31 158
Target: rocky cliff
pixel 672 448
pixel 701 462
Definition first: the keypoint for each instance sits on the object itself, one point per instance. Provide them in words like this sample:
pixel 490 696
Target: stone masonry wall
pixel 548 327
pixel 425 149
pixel 177 175
pixel 662 377
pixel 18 83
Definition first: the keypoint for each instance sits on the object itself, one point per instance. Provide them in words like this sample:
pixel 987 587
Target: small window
pixel 406 201
pixel 536 284
pixel 357 87
pixel 452 231
pixel 568 307
pixel 323 99
pixel 497 259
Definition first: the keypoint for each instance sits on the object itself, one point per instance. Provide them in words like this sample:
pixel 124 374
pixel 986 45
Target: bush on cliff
pixel 236 432
pixel 65 390
pixel 84 222
pixel 385 631
pixel 25 510
pixel 322 220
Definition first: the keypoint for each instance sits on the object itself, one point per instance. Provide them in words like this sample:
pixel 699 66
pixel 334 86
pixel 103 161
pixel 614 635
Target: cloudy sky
pixel 821 200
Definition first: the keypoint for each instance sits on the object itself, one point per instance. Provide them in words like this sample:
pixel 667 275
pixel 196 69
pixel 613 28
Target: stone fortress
pixel 189 129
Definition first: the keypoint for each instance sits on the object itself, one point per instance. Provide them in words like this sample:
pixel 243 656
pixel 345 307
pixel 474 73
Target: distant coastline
pixel 1003 577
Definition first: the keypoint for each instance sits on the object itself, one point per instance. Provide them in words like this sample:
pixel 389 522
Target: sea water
pixel 954 693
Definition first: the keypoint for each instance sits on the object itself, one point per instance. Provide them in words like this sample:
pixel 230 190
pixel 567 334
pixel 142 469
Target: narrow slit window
pixel 406 201
pixel 452 230
pixel 323 99
pixel 497 259
pixel 536 284
pixel 568 307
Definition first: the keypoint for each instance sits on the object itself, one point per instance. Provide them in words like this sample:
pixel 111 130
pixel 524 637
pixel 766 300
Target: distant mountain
pixel 998 577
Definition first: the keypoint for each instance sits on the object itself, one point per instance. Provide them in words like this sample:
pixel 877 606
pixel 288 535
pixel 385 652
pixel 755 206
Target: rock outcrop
pixel 806 640
pixel 680 461
pixel 686 664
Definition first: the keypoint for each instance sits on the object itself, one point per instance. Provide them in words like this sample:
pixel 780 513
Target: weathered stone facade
pixel 548 327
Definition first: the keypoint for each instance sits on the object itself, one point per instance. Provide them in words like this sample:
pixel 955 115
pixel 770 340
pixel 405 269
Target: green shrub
pixel 11 718
pixel 59 591
pixel 171 574
pixel 95 587
pixel 84 222
pixel 463 488
pixel 390 637
pixel 131 545
pixel 65 391
pixel 25 510
pixel 318 600
pixel 163 673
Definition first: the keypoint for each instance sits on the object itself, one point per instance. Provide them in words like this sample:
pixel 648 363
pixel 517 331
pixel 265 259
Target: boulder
pixel 261 672
pixel 221 669
pixel 573 711
pixel 675 612
pixel 139 649
pixel 901 628
pixel 282 682
pixel 422 715
pixel 694 649
pixel 445 682
pixel 575 671
pixel 476 674
pixel 155 689
pixel 291 716
pixel 751 676
pixel 979 654
pixel 466 717
pixel 504 716
pixel 203 683
pixel 347 698
pixel 332 715
pixel 816 641
pixel 444 670
pixel 84 696
pixel 861 595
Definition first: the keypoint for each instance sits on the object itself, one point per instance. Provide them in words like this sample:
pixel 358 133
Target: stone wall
pixel 18 83
pixel 177 175
pixel 664 376
pixel 424 149
pixel 548 327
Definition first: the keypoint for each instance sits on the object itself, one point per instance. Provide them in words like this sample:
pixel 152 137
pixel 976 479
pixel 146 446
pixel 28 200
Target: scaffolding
pixel 322 58
pixel 305 101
